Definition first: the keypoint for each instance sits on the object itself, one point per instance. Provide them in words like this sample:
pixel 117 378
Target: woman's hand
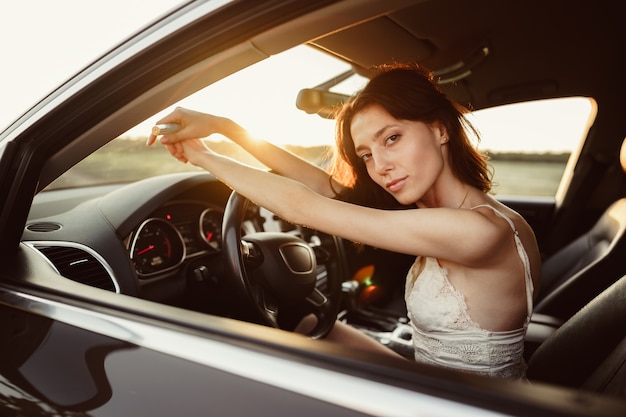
pixel 188 150
pixel 185 144
pixel 193 125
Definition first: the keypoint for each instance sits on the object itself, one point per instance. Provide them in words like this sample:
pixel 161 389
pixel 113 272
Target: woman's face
pixel 402 156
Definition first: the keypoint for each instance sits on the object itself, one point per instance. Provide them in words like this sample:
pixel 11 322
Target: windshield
pixel 262 98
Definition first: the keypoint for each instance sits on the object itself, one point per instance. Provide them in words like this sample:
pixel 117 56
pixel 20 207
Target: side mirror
pixel 321 102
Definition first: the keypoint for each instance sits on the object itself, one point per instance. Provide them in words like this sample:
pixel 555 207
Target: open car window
pixel 530 143
pixel 519 138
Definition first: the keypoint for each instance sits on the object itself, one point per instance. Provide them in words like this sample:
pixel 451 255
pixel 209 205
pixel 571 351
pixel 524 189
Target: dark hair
pixel 406 92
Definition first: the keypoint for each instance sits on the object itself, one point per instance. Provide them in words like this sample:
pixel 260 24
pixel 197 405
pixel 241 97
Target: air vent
pixel 43 227
pixel 79 265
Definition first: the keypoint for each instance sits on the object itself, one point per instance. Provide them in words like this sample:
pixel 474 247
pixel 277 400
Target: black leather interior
pixel 583 269
pixel 589 350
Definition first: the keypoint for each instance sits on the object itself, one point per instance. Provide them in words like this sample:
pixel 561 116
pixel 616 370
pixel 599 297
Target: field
pixel 526 178
pixel 128 160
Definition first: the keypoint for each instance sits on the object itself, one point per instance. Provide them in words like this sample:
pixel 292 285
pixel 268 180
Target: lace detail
pixel 462 319
pixel 444 334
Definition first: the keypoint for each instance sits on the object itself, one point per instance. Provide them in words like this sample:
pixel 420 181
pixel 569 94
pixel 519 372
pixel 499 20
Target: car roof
pixel 492 52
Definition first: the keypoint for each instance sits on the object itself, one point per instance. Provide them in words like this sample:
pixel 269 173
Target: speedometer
pixel 211 227
pixel 156 247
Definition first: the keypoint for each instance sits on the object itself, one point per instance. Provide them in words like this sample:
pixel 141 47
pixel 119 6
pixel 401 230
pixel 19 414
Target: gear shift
pixel 348 294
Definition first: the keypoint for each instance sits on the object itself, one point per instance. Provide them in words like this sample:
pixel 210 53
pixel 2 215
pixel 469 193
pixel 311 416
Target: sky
pixel 44 42
pixel 52 40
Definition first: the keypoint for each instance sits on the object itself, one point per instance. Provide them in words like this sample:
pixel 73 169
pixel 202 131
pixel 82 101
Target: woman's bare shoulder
pixel 525 233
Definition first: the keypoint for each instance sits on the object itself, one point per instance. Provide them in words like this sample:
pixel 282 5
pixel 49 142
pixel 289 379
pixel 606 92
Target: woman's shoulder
pixel 505 220
pixel 521 228
pixel 495 209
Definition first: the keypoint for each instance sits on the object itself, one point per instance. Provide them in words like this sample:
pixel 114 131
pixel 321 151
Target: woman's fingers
pixel 176 150
pixel 183 124
pixel 190 125
pixel 151 140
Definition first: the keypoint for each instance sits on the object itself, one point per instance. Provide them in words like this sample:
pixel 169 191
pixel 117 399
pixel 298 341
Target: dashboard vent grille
pixel 43 227
pixel 79 265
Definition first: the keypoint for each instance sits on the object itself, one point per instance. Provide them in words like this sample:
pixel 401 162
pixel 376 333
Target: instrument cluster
pixel 174 233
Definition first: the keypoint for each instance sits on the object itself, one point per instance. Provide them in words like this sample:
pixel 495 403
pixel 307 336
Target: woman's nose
pixel 381 162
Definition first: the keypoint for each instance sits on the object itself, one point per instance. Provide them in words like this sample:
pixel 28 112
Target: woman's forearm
pixel 281 160
pixel 281 195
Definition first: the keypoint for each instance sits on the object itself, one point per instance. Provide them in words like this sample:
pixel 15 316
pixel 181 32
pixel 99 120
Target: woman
pixel 469 292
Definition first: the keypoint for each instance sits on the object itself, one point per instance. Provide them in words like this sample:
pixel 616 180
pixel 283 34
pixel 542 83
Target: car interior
pixel 487 53
pixel 598 335
pixel 587 265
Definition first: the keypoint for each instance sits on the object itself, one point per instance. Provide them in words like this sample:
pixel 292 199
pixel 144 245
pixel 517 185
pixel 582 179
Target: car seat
pixel 588 265
pixel 588 351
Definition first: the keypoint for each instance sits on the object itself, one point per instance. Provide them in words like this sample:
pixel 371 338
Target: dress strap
pixel 523 256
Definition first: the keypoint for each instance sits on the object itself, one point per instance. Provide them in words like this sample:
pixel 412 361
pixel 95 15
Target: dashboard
pixel 145 234
pixel 158 239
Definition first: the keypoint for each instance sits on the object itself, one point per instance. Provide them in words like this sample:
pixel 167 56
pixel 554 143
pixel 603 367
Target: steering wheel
pixel 275 270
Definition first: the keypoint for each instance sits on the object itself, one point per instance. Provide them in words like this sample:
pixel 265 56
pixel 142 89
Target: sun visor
pixel 397 45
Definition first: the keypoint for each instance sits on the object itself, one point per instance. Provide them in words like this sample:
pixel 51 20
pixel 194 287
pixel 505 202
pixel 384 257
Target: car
pixel 132 284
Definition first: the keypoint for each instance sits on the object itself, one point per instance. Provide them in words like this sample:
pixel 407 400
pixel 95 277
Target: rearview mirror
pixel 321 102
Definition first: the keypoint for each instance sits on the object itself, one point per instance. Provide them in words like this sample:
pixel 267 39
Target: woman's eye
pixel 366 157
pixel 391 139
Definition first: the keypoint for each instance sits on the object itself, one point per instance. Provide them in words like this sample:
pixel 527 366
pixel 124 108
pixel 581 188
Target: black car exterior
pixel 70 349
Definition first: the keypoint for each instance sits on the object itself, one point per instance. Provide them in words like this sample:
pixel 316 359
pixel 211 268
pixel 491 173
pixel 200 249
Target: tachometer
pixel 156 247
pixel 211 227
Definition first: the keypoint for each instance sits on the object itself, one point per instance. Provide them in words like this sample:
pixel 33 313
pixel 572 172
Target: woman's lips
pixel 395 185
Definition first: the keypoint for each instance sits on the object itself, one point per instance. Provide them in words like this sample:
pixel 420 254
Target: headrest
pixel 622 155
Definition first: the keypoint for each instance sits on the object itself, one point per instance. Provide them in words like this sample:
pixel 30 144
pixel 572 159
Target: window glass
pixel 530 144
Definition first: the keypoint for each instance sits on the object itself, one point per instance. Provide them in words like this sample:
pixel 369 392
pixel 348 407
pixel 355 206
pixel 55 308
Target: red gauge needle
pixel 209 236
pixel 149 248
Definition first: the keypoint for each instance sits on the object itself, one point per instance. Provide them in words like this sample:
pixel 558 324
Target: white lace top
pixel 444 334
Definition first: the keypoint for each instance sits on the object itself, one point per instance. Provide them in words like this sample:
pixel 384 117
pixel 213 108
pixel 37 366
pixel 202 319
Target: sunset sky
pixel 44 42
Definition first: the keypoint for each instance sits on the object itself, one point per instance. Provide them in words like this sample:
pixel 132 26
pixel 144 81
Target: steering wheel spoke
pixel 317 299
pixel 270 306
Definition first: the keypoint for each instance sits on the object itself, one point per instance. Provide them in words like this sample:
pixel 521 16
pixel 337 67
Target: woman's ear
pixel 443 133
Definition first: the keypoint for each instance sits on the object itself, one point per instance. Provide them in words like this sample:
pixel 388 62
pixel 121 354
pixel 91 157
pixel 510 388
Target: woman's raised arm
pixel 462 236
pixel 199 125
